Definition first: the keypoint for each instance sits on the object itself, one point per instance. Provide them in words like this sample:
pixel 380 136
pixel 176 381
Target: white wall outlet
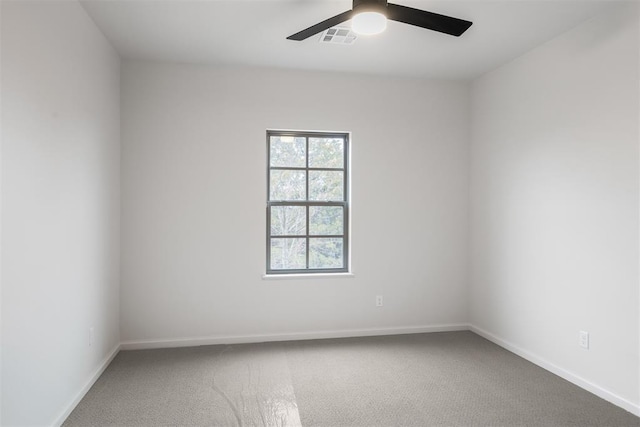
pixel 378 300
pixel 92 336
pixel 584 339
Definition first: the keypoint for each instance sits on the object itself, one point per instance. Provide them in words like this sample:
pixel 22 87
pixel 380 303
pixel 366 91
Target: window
pixel 307 202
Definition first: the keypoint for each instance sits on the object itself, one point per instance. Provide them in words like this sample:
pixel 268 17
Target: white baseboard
pixel 563 373
pixel 348 333
pixel 92 379
pixel 295 336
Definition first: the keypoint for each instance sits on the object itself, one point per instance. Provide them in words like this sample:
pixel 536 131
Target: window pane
pixel 326 220
pixel 288 220
pixel 287 151
pixel 288 254
pixel 326 152
pixel 287 185
pixel 325 253
pixel 326 185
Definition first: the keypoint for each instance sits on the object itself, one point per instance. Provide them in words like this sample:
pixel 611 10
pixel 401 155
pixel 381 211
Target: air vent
pixel 338 35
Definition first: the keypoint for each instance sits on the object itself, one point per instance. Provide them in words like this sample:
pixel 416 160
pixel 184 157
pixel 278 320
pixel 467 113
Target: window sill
pixel 308 276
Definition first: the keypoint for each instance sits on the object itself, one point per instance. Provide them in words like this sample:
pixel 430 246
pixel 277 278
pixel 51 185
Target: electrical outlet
pixel 378 300
pixel 92 336
pixel 584 339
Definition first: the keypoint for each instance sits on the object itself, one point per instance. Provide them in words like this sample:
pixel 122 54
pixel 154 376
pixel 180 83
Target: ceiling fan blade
pixel 428 20
pixel 320 27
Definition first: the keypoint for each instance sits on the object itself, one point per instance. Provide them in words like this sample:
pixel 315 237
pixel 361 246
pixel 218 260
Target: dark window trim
pixel 308 203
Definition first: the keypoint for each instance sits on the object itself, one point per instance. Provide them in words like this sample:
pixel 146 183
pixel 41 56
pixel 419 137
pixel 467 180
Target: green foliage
pixel 325 253
pixel 326 185
pixel 326 153
pixel 288 185
pixel 287 151
pixel 288 220
pixel 290 253
pixel 326 220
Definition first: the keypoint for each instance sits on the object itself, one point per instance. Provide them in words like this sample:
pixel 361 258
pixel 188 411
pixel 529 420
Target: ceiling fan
pixel 370 17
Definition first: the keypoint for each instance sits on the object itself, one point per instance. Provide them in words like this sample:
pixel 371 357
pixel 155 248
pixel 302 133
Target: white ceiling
pixel 253 32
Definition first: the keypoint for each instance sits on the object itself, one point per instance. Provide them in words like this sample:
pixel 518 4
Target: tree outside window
pixel 307 202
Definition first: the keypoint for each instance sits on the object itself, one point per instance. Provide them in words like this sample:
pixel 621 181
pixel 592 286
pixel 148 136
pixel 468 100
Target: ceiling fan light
pixel 369 23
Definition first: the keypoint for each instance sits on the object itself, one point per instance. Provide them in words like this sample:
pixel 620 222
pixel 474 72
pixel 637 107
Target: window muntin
pixel 307 202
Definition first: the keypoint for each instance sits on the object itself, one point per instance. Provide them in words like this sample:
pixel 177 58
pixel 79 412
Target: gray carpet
pixel 439 379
